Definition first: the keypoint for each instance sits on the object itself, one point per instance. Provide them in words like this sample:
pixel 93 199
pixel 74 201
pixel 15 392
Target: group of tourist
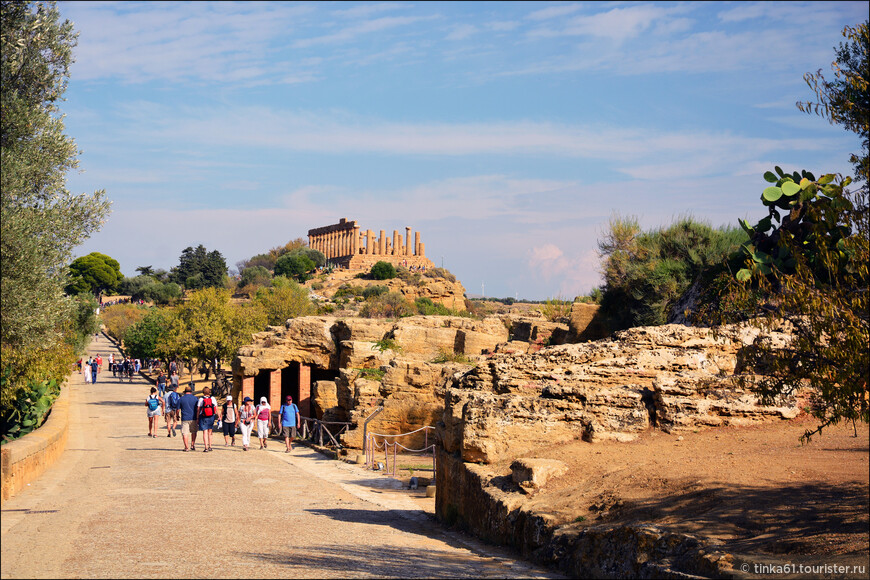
pixel 202 414
pixel 91 368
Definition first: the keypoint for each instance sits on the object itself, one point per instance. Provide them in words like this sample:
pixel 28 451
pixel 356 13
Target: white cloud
pixel 351 33
pixel 462 31
pixel 640 153
pixel 365 10
pixel 553 12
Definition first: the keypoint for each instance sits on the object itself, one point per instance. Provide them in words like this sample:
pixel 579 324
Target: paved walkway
pixel 119 504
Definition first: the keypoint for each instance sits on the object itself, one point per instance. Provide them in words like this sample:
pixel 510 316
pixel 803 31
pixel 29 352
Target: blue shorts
pixel 206 423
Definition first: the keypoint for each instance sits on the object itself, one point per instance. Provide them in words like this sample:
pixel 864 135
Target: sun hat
pixel 247 399
pixel 229 397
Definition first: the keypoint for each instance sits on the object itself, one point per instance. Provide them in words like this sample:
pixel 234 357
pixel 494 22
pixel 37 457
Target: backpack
pixel 207 407
pixel 173 400
pixel 153 403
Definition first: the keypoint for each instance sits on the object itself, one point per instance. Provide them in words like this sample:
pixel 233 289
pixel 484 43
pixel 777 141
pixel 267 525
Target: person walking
pixel 290 422
pixel 155 409
pixel 86 370
pixel 264 421
pixel 247 414
pixel 95 368
pixel 187 405
pixel 161 383
pixel 173 400
pixel 206 413
pixel 230 418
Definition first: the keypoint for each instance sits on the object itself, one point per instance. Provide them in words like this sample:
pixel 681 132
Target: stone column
pixel 422 250
pixel 417 244
pixel 400 249
pixel 369 243
pixel 247 388
pixel 310 241
pixel 382 243
pixel 407 241
pixel 395 244
pixel 304 402
pixel 331 244
pixel 355 241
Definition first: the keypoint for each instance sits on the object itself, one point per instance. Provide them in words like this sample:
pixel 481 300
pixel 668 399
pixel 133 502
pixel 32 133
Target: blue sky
pixel 508 134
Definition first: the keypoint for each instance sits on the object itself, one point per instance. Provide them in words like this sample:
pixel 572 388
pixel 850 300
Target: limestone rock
pixel 534 473
pixel 672 376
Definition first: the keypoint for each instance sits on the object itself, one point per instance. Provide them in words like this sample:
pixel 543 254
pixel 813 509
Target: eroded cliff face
pixel 405 381
pixel 669 377
pixel 512 405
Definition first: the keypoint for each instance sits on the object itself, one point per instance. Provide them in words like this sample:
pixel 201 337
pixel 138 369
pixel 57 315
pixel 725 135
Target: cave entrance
pixel 262 385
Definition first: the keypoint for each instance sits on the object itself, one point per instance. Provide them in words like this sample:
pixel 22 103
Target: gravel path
pixel 119 504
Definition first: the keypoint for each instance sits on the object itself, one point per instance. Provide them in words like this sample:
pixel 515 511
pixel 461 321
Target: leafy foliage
pixel 209 328
pixel 30 407
pixel 120 317
pixel 257 275
pixel 292 265
pixel 269 259
pixel 383 271
pixel 645 273
pixel 846 99
pixel 199 268
pixel 95 273
pixel 555 309
pixel 815 277
pixel 389 305
pixel 40 221
pixel 149 289
pixel 279 304
pixel 142 338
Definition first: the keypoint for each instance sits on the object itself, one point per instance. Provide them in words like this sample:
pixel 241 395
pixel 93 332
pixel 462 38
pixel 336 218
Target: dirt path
pixel 121 504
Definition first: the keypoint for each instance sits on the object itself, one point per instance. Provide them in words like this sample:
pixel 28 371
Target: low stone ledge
pixel 25 459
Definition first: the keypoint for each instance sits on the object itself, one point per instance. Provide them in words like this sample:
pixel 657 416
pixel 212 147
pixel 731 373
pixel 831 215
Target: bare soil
pixel 755 490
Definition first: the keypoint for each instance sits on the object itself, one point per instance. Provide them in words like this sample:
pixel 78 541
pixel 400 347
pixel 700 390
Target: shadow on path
pixel 376 561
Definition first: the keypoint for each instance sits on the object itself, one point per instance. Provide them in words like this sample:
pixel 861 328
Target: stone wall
pixel 24 460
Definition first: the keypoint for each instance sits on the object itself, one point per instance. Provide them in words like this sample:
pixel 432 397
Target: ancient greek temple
pixel 346 245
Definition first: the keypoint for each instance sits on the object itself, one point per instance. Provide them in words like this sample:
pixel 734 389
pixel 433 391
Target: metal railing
pixel 318 432
pixel 391 447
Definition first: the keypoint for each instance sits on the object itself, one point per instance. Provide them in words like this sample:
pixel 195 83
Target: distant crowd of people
pixel 201 414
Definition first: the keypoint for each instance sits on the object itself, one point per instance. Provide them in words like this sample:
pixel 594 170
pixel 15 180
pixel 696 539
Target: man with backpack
pixel 206 413
pixel 290 422
pixel 187 405
pixel 173 401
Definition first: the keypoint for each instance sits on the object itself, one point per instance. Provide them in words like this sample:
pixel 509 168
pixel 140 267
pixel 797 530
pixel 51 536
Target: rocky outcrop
pixel 504 410
pixel 447 291
pixel 376 363
pixel 671 377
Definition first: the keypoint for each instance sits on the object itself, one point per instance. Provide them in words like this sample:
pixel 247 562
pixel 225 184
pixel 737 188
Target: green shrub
pixel 439 273
pixel 383 271
pixel 374 291
pixel 30 408
pixel 426 307
pixel 255 275
pixel 294 265
pixel 645 273
pixel 389 305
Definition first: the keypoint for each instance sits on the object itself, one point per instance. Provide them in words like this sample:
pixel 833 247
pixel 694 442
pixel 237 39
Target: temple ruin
pixel 345 245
